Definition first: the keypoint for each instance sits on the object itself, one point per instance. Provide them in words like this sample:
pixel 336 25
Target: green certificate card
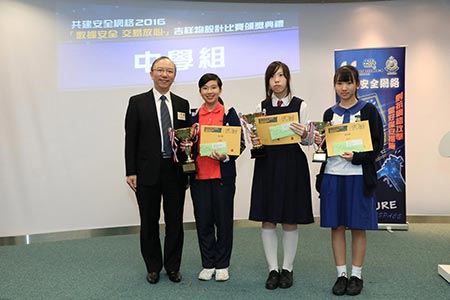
pixel 207 149
pixel 280 131
pixel 348 146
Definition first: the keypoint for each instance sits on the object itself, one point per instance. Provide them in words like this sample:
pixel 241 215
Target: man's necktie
pixel 279 103
pixel 165 124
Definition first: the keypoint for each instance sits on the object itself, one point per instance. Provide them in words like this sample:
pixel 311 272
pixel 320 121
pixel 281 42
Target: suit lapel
pixel 150 109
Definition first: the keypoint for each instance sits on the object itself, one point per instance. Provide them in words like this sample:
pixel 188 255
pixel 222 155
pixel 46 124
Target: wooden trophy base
pixel 189 168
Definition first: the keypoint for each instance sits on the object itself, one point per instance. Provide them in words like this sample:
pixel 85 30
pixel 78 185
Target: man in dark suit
pixel 151 171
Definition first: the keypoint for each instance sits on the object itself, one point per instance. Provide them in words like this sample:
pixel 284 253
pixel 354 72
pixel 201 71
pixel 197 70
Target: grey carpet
pixel 398 265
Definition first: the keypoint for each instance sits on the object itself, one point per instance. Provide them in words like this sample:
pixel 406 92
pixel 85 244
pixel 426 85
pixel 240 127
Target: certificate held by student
pixel 349 137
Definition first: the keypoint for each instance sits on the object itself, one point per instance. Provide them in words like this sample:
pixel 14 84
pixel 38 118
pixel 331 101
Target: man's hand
pixel 132 182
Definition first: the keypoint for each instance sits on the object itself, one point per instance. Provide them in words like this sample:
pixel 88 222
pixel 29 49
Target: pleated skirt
pixel 342 202
pixel 281 188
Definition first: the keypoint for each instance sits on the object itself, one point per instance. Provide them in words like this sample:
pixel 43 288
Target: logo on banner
pixel 370 63
pixel 391 66
pixel 345 63
pixel 369 67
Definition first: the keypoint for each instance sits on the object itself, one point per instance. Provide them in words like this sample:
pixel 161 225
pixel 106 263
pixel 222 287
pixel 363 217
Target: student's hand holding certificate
pixel 299 129
pixel 276 129
pixel 347 156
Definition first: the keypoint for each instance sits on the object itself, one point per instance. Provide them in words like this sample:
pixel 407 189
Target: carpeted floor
pixel 398 265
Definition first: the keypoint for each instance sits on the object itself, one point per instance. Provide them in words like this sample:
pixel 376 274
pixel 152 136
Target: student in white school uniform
pixel 347 182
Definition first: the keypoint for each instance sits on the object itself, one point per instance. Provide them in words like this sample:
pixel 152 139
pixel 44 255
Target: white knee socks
pixel 270 243
pixel 290 241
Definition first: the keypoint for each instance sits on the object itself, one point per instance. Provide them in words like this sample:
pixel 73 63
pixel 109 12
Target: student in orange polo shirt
pixel 213 186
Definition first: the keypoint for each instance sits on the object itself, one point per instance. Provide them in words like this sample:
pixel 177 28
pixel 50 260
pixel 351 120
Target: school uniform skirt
pixel 343 203
pixel 281 189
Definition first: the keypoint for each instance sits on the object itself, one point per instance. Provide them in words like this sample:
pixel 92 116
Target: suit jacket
pixel 143 135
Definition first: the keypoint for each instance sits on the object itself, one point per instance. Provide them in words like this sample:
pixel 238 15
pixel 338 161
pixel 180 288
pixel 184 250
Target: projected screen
pixel 101 46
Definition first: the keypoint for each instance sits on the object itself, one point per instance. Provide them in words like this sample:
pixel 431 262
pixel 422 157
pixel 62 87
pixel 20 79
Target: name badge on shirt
pixel 181 116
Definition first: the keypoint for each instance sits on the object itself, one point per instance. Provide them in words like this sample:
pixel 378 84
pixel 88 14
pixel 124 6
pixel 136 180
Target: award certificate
pixel 274 129
pixel 348 137
pixel 223 139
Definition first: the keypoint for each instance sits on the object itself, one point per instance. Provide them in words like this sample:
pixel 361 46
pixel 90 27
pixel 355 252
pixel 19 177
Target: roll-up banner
pixel 382 75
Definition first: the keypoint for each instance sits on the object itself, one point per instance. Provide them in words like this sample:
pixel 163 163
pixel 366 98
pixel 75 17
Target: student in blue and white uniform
pixel 346 183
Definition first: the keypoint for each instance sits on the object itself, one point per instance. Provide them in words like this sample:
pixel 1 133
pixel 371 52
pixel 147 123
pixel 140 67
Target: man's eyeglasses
pixel 161 70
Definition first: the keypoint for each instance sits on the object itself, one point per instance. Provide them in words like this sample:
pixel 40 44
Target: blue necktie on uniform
pixel 166 124
pixel 346 116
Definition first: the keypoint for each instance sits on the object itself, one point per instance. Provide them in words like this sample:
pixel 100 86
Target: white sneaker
pixel 222 274
pixel 206 274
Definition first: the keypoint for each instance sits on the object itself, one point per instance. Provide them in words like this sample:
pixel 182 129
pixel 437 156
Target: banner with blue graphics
pixel 382 75
pixel 114 46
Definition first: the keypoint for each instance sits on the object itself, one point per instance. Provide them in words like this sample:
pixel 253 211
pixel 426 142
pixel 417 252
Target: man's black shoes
pixel 174 276
pixel 153 277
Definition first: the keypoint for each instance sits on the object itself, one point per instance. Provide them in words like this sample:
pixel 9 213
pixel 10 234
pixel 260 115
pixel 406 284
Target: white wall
pixel 61 155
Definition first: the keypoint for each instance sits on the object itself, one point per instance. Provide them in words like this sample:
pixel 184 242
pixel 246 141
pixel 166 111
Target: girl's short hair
pixel 208 77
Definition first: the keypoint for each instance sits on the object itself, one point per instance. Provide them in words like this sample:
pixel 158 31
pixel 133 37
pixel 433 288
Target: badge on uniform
pixel 181 116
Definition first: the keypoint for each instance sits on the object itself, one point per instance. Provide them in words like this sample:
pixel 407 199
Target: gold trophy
pixel 187 134
pixel 249 124
pixel 320 155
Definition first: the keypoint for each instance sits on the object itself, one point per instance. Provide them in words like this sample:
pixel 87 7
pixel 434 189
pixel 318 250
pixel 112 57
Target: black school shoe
pixel 340 286
pixel 354 286
pixel 272 280
pixel 286 279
